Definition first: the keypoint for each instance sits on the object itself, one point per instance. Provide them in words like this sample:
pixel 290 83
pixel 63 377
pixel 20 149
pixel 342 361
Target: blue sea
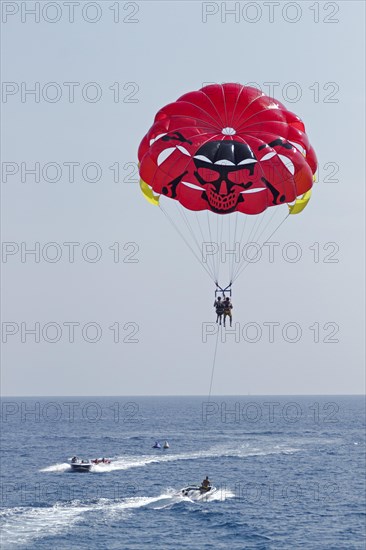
pixel 289 472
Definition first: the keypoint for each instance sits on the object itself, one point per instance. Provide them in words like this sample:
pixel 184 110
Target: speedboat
pixel 80 465
pixel 197 492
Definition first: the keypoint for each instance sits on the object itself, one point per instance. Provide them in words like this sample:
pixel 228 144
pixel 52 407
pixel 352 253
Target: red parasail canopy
pixel 227 148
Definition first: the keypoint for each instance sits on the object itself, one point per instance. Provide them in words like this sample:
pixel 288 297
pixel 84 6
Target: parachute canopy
pixel 216 162
pixel 227 148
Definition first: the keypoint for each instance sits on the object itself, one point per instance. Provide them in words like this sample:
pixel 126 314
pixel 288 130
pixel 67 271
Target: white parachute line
pixel 229 240
pixel 220 221
pixel 244 226
pixel 233 257
pixel 231 273
pixel 271 235
pixel 257 227
pixel 209 232
pixel 248 240
pixel 199 247
pixel 209 239
pixel 218 242
pixel 251 238
pixel 255 236
pixel 241 239
pixel 214 363
pixel 276 210
pixel 257 232
pixel 185 240
pixel 204 239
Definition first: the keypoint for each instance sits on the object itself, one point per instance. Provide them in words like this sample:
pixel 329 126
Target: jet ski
pixel 166 445
pixel 197 492
pixel 80 465
pixel 156 445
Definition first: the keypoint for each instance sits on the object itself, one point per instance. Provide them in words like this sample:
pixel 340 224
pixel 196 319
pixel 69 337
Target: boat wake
pixel 62 467
pixel 139 461
pixel 22 526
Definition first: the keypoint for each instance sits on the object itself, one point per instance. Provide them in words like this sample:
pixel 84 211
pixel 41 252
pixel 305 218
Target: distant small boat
pixel 80 465
pixel 166 445
pixel 157 445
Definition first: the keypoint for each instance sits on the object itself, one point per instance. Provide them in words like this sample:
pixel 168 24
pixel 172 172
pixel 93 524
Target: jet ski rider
pixel 206 484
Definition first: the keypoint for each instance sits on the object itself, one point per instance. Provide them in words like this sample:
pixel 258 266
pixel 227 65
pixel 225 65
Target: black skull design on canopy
pixel 224 169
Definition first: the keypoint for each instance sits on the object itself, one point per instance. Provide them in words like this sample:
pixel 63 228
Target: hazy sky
pixel 101 79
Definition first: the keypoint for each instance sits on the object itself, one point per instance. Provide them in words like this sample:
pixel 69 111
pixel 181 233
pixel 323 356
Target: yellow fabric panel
pixel 148 194
pixel 300 203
